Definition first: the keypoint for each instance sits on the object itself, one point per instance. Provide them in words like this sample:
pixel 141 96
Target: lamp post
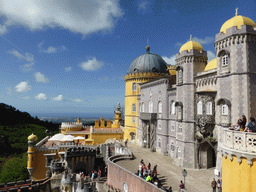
pixel 184 173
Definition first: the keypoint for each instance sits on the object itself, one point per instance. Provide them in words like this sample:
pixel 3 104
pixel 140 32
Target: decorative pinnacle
pixel 237 11
pixel 147 49
pixel 190 37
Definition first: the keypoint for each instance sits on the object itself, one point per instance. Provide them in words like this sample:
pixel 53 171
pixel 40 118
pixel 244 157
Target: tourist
pixel 126 142
pixel 170 189
pixel 218 185
pixel 214 184
pixel 154 169
pixel 251 127
pixel 92 176
pixel 141 162
pixel 148 179
pixel 149 166
pixel 238 125
pixel 156 181
pixel 243 123
pixel 99 174
pixel 182 186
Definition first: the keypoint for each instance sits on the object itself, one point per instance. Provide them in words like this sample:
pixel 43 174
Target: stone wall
pixel 118 177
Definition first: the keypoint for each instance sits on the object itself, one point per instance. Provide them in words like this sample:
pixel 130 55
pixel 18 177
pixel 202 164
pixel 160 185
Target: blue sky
pixel 72 55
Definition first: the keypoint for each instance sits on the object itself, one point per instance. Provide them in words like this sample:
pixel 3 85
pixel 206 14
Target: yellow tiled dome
pixel 237 21
pixel 191 45
pixel 32 137
pixel 211 65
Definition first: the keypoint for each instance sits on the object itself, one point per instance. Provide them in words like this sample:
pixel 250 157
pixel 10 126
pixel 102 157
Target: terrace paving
pixel 168 173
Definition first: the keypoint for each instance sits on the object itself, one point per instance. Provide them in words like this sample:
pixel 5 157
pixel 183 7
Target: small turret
pixel 78 120
pixel 31 154
pixel 118 117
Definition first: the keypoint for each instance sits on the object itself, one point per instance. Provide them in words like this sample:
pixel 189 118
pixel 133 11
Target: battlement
pixel 191 54
pixel 245 29
pixel 143 75
pixel 71 124
pixel 80 151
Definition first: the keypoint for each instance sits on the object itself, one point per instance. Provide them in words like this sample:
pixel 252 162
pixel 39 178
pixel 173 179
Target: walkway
pixel 170 174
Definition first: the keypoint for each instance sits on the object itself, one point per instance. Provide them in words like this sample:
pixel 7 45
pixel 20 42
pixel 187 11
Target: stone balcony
pixel 237 143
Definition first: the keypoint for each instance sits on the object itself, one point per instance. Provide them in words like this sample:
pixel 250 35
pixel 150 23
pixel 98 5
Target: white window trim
pixel 160 107
pixel 134 108
pixel 199 108
pixel 159 124
pixel 143 107
pixel 134 86
pixel 150 107
pixel 225 60
pixel 179 153
pixel 133 120
pixel 173 111
pixel 159 143
pixel 209 108
pixel 224 110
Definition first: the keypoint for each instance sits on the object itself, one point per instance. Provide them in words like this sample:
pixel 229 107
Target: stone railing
pixel 62 145
pixel 237 140
pixel 71 124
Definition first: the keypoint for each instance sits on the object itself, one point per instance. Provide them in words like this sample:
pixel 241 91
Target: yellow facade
pixel 131 97
pixel 238 177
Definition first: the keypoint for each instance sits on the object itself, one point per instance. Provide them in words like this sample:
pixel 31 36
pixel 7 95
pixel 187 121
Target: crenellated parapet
pixel 193 55
pixel 145 76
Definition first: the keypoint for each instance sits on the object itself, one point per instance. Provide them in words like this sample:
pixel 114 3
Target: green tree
pixel 14 169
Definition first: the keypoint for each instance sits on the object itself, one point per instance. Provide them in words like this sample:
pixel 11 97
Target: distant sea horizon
pixel 74 115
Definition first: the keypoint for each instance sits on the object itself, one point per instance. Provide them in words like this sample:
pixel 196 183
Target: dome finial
pixel 147 47
pixel 237 11
pixel 190 37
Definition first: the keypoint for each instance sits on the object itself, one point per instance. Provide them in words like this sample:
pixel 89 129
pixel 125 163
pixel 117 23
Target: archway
pixel 133 136
pixel 80 167
pixel 207 158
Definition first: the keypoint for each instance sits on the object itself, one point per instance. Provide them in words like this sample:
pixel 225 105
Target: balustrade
pixel 238 140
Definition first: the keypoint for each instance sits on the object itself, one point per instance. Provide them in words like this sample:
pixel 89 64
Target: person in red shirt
pixel 182 186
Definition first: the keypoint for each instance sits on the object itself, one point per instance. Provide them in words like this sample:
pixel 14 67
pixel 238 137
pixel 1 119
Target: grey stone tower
pixel 190 60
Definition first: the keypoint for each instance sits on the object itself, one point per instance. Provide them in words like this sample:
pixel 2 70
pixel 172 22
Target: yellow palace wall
pixel 130 98
pixel 100 138
pixel 238 177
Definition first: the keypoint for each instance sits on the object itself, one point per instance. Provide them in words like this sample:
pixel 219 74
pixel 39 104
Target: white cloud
pixel 23 87
pixel 91 64
pixel 144 5
pixel 68 68
pixel 77 100
pixel 50 50
pixel 211 55
pixel 3 29
pixel 41 78
pixel 78 16
pixel 170 60
pixel 206 40
pixel 41 96
pixel 58 98
pixel 27 57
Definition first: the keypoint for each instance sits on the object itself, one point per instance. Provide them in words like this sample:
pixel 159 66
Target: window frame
pixel 150 107
pixel 208 108
pixel 160 107
pixel 143 107
pixel 224 110
pixel 200 108
pixel 134 108
pixel 159 123
pixel 133 120
pixel 134 86
pixel 224 60
pixel 173 108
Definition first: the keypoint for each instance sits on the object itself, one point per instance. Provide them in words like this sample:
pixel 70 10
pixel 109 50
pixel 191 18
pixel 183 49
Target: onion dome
pixel 149 62
pixel 32 137
pixel 237 21
pixel 191 45
pixel 211 65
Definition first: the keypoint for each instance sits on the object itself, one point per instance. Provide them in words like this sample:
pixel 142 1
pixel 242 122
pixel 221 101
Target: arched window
pixel 159 122
pixel 172 106
pixel 160 107
pixel 172 147
pixel 180 76
pixel 225 60
pixel 134 86
pixel 209 108
pixel 143 107
pixel 134 108
pixel 224 109
pixel 179 153
pixel 150 93
pixel 179 113
pixel 150 107
pixel 200 108
pixel 159 143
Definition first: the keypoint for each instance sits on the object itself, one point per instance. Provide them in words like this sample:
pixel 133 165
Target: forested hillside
pixel 16 126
